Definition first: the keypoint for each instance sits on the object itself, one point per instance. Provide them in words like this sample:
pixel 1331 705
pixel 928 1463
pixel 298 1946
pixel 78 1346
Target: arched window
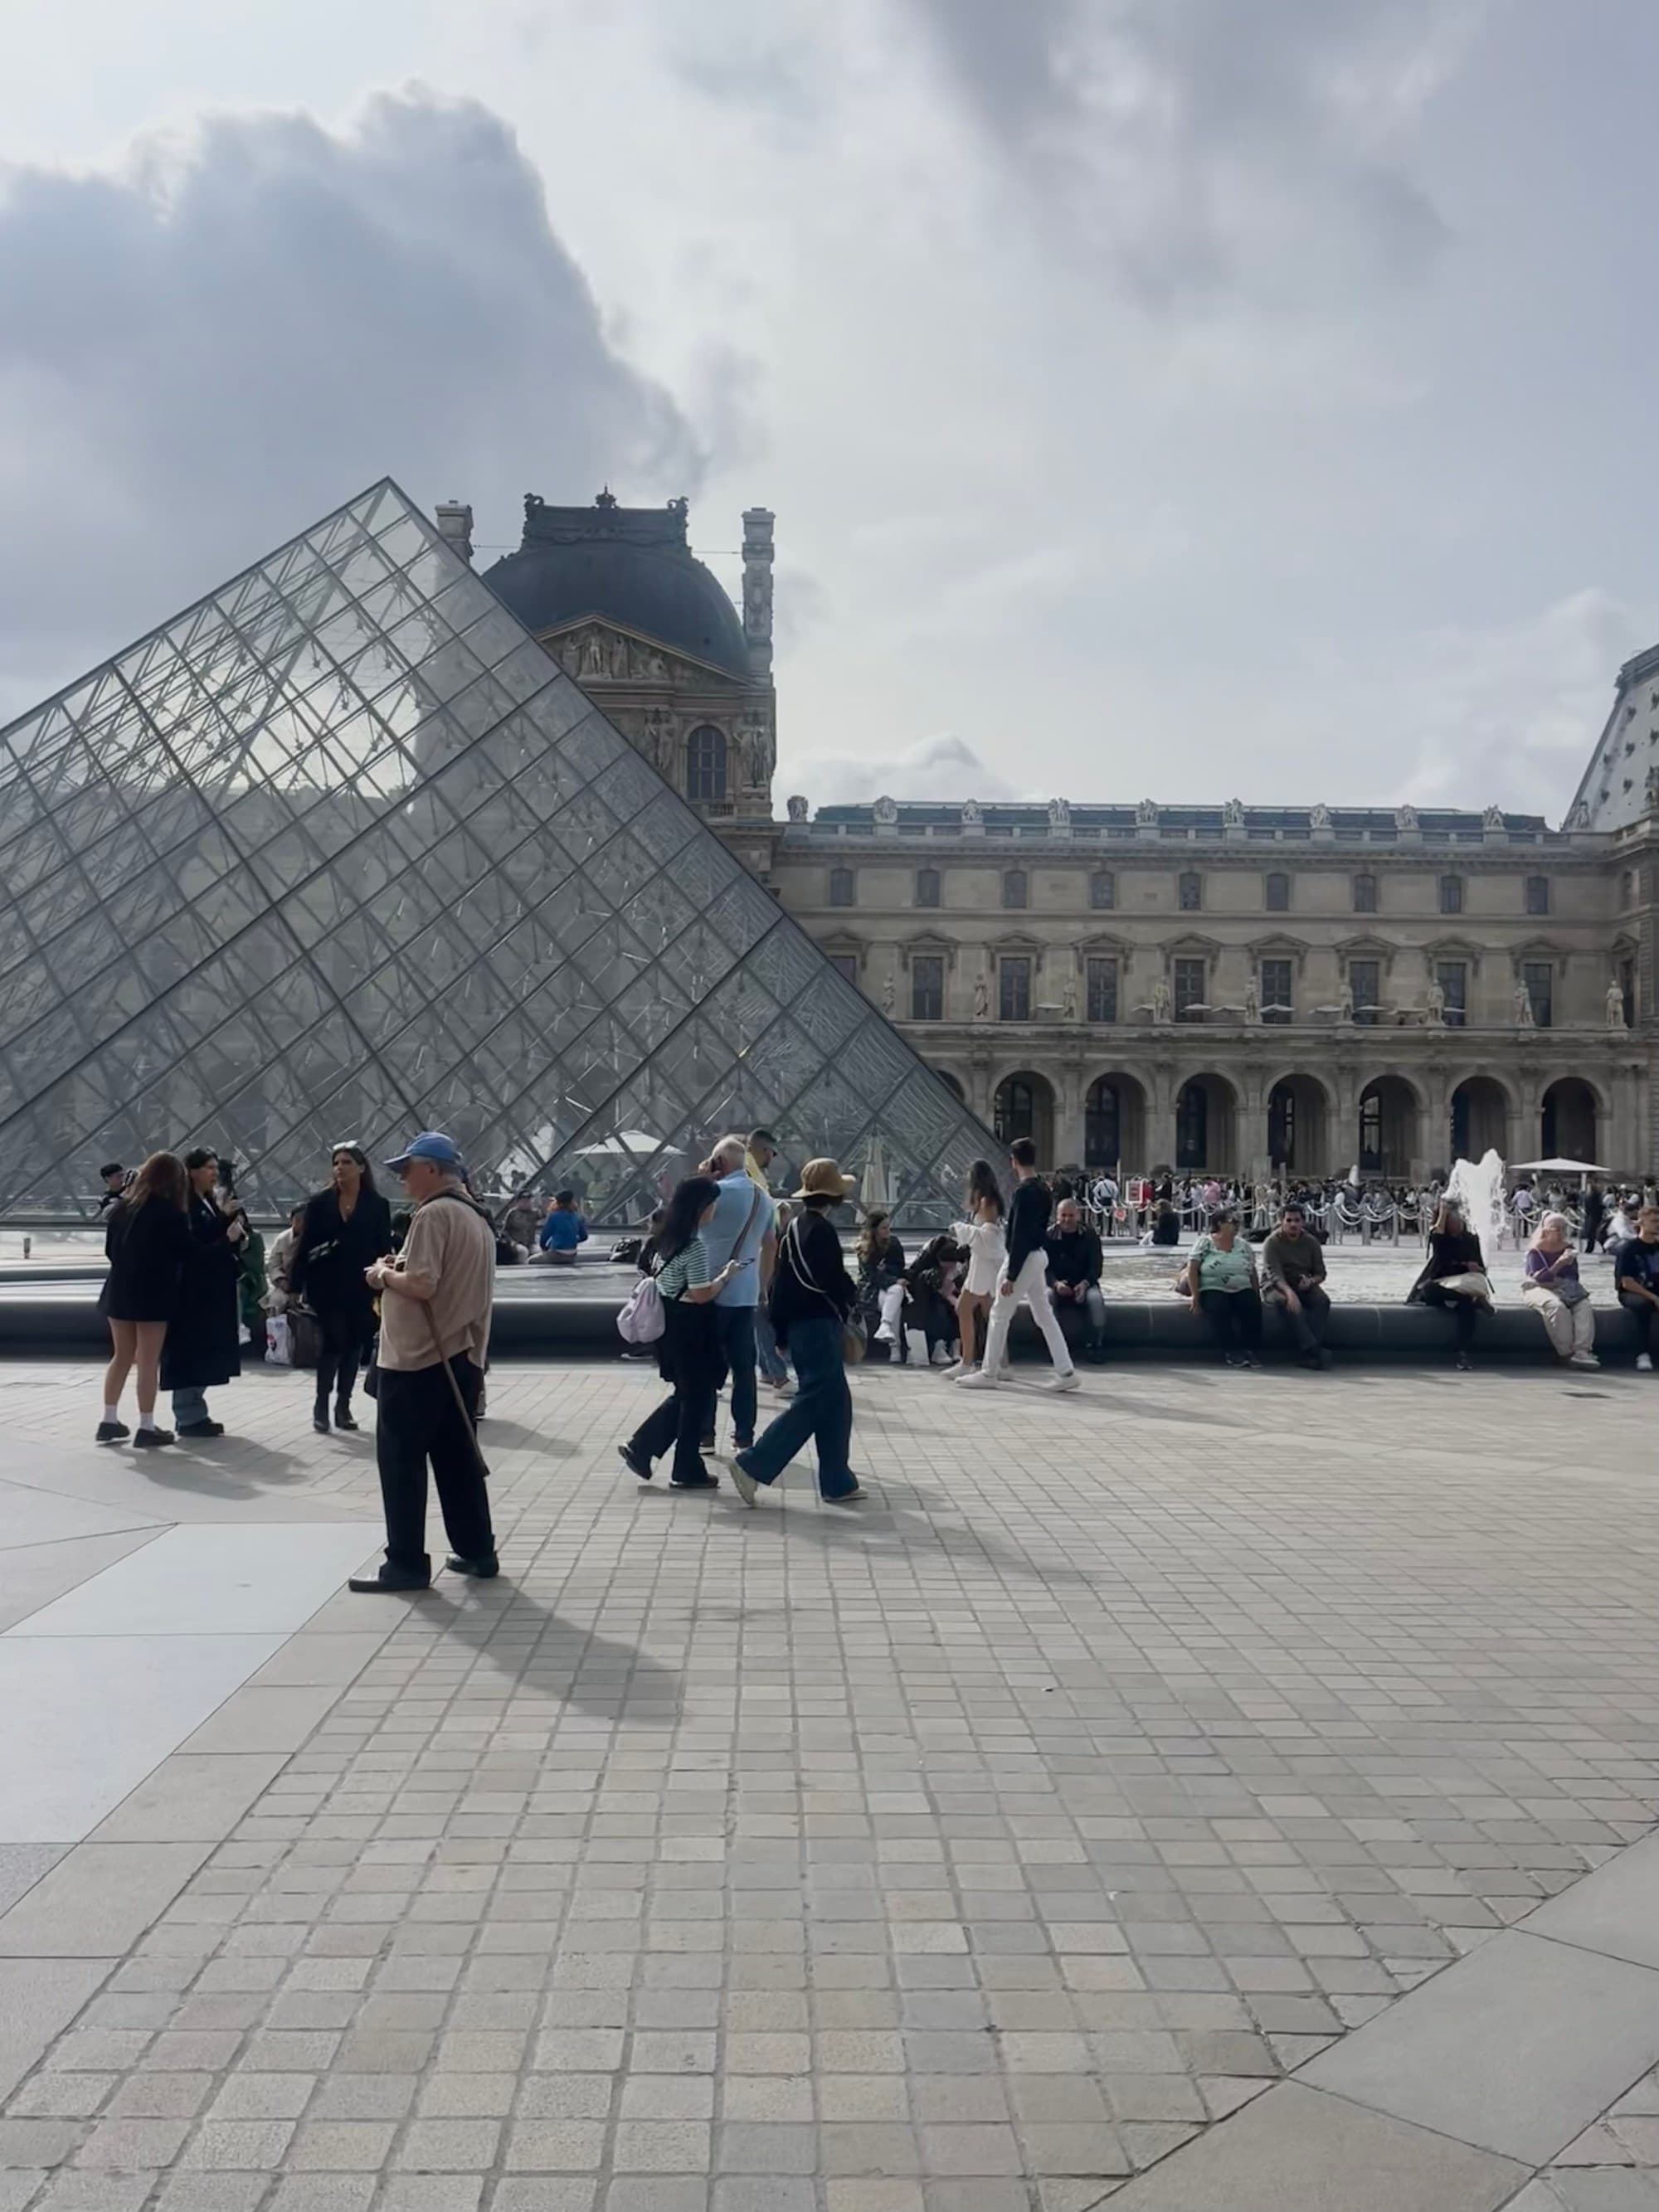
pixel 1014 1110
pixel 1365 894
pixel 927 886
pixel 1103 890
pixel 1190 891
pixel 1016 887
pixel 705 765
pixel 1451 893
pixel 1278 893
pixel 842 889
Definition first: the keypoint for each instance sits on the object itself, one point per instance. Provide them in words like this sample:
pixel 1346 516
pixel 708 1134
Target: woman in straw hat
pixel 813 1296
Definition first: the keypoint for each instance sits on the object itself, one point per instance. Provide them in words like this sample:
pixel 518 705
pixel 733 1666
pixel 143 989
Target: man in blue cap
pixel 436 1298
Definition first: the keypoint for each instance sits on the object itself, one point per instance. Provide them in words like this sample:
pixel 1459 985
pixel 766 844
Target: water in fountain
pixel 1477 1191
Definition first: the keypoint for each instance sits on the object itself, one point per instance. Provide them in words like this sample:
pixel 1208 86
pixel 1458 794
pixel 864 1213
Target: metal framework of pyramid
pixel 341 853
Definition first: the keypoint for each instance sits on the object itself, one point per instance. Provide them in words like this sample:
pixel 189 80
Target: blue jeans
pixel 821 1409
pixel 773 1365
pixel 734 1335
pixel 189 1406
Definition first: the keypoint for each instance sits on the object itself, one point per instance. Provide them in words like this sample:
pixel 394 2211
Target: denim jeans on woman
pixel 821 1409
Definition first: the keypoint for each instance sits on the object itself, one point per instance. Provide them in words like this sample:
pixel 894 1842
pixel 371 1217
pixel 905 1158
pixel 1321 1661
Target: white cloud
pixel 239 327
pixel 935 768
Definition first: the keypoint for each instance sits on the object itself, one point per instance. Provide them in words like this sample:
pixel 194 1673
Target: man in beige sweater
pixel 435 1299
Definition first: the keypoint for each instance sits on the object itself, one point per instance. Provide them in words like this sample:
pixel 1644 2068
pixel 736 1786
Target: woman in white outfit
pixel 982 1233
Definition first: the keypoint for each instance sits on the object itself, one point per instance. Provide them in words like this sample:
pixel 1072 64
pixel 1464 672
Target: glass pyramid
pixel 341 853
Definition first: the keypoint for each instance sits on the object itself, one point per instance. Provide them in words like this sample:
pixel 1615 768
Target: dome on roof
pixel 626 565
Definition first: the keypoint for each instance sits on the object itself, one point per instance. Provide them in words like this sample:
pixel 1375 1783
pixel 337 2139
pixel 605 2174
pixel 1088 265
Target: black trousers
pixel 690 1361
pixel 418 1420
pixel 1465 1312
pixel 1235 1317
pixel 1642 1316
pixel 1306 1329
pixel 346 1332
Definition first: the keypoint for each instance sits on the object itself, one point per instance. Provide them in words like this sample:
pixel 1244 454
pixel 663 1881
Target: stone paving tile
pixel 1119 1755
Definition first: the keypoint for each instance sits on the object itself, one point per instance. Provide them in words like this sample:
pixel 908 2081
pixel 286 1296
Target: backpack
pixel 642 1320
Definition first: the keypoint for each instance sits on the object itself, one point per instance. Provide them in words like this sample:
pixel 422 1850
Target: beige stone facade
pixel 1238 988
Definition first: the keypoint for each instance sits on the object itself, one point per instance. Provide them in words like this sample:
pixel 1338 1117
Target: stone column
pixel 1068 1112
pixel 1161 1089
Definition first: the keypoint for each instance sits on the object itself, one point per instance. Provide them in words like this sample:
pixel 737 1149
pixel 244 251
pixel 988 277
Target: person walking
pixel 984 1239
pixel 1453 1278
pixel 812 1296
pixel 146 1242
pixel 1024 1277
pixel 436 1300
pixel 773 1367
pixel 346 1228
pixel 1293 1284
pixel 740 1230
pixel 1221 1283
pixel 203 1346
pixel 1554 1292
pixel 690 1352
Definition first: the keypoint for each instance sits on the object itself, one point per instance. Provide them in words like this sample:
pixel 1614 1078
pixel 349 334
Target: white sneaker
pixel 1069 1381
pixel 949 1373
pixel 1584 1360
pixel 744 1483
pixel 1643 1364
pixel 979 1379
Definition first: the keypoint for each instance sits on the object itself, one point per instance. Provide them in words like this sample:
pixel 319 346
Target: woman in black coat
pixel 1454 1277
pixel 146 1242
pixel 346 1229
pixel 203 1341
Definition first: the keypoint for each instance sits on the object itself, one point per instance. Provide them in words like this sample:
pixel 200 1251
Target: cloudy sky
pixel 1168 397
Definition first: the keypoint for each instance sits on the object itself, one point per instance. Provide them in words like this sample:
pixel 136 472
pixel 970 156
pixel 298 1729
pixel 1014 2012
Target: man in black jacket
pixel 1025 1275
pixel 1075 1264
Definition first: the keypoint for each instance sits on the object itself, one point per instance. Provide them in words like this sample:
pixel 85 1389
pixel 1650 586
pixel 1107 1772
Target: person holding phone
pixel 688 1351
pixel 1554 1292
pixel 743 1230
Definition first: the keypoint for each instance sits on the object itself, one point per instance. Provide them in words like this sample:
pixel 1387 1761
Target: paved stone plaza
pixel 1004 1843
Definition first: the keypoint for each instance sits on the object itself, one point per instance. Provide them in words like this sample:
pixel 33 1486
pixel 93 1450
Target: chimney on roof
pixel 757 554
pixel 454 522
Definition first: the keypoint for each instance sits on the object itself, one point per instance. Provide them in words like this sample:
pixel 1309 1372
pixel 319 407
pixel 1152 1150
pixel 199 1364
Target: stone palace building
pixel 1220 986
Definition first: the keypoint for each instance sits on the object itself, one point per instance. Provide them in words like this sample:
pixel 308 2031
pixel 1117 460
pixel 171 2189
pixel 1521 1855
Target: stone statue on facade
pixel 886 811
pixel 593 654
pixel 1616 1006
pixel 1344 1003
pixel 1069 1001
pixel 1060 816
pixel 1146 814
pixel 1437 1003
pixel 1320 817
pixel 1405 820
pixel 1578 816
pixel 1523 1001
pixel 1651 790
pixel 1232 815
pixel 1252 1000
pixel 797 806
pixel 1161 998
pixel 972 814
pixel 1492 818
pixel 981 999
pixel 619 658
pixel 889 992
pixel 755 749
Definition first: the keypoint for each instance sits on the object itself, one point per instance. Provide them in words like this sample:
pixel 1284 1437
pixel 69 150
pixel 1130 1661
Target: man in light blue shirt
pixel 742 1229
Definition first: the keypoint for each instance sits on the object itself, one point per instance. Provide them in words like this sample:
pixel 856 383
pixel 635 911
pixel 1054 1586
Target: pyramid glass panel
pixel 341 852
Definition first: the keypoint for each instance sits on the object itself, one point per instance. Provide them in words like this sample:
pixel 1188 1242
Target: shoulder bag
pixel 852 1329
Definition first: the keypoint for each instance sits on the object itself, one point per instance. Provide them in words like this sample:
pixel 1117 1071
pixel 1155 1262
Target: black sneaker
pixel 480 1570
pixel 388 1579
pixel 147 1439
pixel 703 1481
pixel 112 1432
pixel 635 1460
pixel 1465 1364
pixel 342 1418
pixel 201 1428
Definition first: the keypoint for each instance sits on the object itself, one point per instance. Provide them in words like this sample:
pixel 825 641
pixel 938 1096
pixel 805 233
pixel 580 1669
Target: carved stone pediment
pixel 602 652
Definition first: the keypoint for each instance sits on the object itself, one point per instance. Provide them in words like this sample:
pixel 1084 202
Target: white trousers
pixel 1571 1329
pixel 1031 1285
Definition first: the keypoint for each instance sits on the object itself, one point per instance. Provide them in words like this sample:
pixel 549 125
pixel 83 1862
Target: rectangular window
pixel 1191 977
pixel 1453 977
pixel 1278 893
pixel 1538 894
pixel 928 987
pixel 1365 981
pixel 1365 894
pixel 1451 893
pixel 1539 977
pixel 1278 991
pixel 842 890
pixel 1014 986
pixel 846 963
pixel 1102 988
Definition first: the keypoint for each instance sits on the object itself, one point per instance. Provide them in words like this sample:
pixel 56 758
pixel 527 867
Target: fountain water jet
pixel 1477 1191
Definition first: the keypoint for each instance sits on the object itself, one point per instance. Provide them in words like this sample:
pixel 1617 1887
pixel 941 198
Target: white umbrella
pixel 626 1144
pixel 1557 1167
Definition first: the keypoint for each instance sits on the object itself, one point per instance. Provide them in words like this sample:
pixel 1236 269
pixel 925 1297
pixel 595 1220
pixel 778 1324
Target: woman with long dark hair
pixel 986 1240
pixel 880 1279
pixel 146 1242
pixel 1454 1277
pixel 204 1343
pixel 688 1351
pixel 346 1229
